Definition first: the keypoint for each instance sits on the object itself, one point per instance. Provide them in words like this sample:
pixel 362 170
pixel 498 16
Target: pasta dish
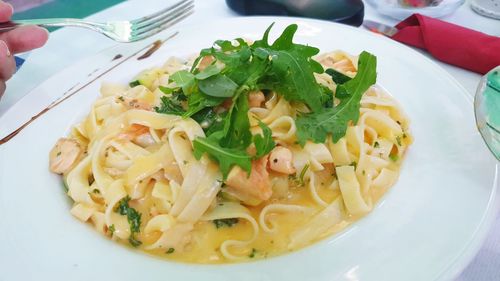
pixel 248 150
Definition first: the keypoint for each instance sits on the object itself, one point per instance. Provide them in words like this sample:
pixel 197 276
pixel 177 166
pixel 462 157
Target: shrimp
pixel 64 155
pixel 138 134
pixel 280 160
pixel 255 99
pixel 344 65
pixel 205 61
pixel 257 185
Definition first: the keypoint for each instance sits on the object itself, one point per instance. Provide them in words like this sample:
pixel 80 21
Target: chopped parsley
pixel 219 223
pixel 398 140
pixel 134 83
pixel 302 174
pixel 252 254
pixel 134 242
pixel 133 218
pixel 170 251
pixel 299 179
pixel 111 230
pixel 376 144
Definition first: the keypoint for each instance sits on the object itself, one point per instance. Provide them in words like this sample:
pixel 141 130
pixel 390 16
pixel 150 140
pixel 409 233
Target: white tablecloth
pixel 66 46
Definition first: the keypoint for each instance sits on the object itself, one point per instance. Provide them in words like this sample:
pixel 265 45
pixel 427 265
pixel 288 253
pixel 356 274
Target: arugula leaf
pixel 198 101
pixel 167 90
pixel 226 157
pixel 237 126
pixel 337 77
pixel 263 143
pixel 184 79
pixel 218 86
pixel 316 125
pixel 209 71
pixel 225 52
pixel 170 106
pixel 292 68
pixel 326 96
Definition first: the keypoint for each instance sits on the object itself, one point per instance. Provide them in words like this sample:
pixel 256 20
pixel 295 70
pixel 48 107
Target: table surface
pixel 62 50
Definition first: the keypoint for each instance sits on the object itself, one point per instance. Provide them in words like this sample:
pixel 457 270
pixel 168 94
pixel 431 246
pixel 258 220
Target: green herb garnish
pixel 394 157
pixel 337 77
pixel 134 83
pixel 226 157
pixel 133 218
pixel 238 69
pixel 170 251
pixel 252 254
pixel 263 143
pixel 318 124
pixel 111 230
pixel 302 174
pixel 225 222
pixel 134 242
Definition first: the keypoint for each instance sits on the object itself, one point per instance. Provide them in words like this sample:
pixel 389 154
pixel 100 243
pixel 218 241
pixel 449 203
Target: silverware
pixel 487 110
pixel 380 28
pixel 121 31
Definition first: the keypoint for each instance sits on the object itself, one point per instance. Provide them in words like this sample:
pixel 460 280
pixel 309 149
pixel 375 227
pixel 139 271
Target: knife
pixel 380 28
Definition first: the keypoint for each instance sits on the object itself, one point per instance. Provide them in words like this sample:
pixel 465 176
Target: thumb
pixel 6 11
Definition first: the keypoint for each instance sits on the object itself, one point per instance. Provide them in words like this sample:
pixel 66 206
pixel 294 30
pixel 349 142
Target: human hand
pixel 19 40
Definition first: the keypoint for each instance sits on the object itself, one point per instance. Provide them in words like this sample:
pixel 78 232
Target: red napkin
pixel 451 43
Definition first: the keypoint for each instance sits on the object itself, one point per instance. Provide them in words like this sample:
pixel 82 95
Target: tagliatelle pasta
pixel 137 178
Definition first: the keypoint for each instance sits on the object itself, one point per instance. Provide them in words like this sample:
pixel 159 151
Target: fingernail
pixel 7 51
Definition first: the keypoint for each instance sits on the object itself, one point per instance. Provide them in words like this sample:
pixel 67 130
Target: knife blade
pixel 380 28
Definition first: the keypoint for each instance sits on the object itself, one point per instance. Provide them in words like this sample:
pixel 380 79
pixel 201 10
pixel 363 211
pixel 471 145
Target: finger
pixel 6 11
pixel 7 62
pixel 2 88
pixel 25 38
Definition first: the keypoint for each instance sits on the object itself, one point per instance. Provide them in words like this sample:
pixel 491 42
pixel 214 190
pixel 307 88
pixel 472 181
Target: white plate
pixel 426 227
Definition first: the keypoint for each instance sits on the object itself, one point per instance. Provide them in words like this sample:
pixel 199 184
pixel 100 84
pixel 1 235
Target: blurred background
pixel 26 9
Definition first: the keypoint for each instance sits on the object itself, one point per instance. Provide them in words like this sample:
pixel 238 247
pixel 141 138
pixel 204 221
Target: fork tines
pixel 154 23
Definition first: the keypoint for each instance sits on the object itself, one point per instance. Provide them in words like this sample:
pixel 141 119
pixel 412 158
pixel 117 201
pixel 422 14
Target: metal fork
pixel 121 31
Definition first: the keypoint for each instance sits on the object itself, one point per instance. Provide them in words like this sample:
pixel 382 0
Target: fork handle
pixel 54 22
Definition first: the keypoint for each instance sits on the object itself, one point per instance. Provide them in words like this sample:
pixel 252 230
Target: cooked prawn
pixel 64 155
pixel 257 185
